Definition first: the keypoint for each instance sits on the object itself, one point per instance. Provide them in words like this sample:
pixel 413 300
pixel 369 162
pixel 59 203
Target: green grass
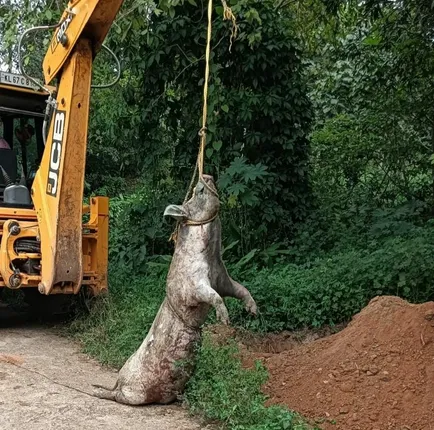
pixel 221 389
pixel 118 324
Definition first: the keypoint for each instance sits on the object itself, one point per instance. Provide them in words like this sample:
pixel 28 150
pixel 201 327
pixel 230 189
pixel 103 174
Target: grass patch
pixel 221 389
pixel 118 323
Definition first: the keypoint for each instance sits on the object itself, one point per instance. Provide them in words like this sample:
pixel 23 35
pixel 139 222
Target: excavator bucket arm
pixel 57 190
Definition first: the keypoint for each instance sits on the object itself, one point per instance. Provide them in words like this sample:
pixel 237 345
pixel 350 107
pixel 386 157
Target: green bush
pixel 138 230
pixel 332 228
pixel 221 389
pixel 335 287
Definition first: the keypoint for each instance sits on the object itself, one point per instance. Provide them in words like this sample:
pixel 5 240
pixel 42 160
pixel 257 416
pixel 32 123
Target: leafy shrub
pixel 138 230
pixel 221 389
pixel 336 286
pixel 331 229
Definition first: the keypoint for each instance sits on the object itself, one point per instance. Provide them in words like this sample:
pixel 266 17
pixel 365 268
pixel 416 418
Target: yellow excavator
pixel 51 243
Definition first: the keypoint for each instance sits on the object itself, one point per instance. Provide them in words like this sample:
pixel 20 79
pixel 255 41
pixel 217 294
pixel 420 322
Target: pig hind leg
pixel 105 393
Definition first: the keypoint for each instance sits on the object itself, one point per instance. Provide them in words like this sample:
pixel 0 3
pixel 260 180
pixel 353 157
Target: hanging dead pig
pixel 197 281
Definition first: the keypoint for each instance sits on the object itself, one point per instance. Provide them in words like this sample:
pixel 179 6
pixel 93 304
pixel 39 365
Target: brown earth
pixel 376 374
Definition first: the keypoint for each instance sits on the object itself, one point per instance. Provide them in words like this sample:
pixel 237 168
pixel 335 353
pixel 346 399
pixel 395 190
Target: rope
pixel 202 132
pixel 174 235
pixel 27 369
pixel 207 221
pixel 227 15
pixel 198 169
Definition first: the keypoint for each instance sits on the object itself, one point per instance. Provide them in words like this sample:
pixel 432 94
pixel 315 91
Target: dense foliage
pixel 259 114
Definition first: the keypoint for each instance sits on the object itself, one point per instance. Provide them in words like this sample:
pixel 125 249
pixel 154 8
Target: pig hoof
pixel 251 307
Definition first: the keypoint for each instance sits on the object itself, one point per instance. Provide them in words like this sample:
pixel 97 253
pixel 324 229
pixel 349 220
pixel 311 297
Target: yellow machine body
pixel 67 252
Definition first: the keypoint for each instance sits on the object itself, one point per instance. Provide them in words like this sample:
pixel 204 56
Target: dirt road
pixel 30 401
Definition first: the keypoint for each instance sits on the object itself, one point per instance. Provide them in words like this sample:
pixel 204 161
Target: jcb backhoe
pixel 45 247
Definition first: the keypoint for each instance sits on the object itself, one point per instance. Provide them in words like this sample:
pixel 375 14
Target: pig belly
pixel 160 368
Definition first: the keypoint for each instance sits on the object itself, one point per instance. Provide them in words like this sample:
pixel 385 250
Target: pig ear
pixel 177 212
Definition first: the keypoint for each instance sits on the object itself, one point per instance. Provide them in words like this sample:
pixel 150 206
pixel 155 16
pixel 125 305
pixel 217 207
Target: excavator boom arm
pixel 89 19
pixel 57 190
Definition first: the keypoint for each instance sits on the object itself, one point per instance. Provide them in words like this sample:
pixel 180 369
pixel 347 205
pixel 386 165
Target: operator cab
pixel 21 142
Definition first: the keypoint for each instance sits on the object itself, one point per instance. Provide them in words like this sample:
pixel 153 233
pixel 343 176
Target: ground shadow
pixel 12 316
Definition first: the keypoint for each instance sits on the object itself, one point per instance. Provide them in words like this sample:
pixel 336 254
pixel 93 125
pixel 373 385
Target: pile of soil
pixel 376 374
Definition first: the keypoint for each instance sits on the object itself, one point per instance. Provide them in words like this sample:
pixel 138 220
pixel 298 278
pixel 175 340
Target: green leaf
pixel 232 245
pixel 225 108
pixel 246 258
pixel 372 41
pixel 192 2
pixel 48 14
pixel 217 145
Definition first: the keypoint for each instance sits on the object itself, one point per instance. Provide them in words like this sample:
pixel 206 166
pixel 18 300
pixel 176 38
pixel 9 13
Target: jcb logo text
pixel 56 153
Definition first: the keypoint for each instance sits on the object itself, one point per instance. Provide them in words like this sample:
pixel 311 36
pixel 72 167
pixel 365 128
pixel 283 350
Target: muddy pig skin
pixel 158 371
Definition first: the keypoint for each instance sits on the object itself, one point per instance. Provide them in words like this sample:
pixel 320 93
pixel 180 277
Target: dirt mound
pixel 378 373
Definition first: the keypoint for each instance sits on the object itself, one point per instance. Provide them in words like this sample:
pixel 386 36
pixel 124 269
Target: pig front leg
pixel 242 293
pixel 205 294
pixel 227 287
